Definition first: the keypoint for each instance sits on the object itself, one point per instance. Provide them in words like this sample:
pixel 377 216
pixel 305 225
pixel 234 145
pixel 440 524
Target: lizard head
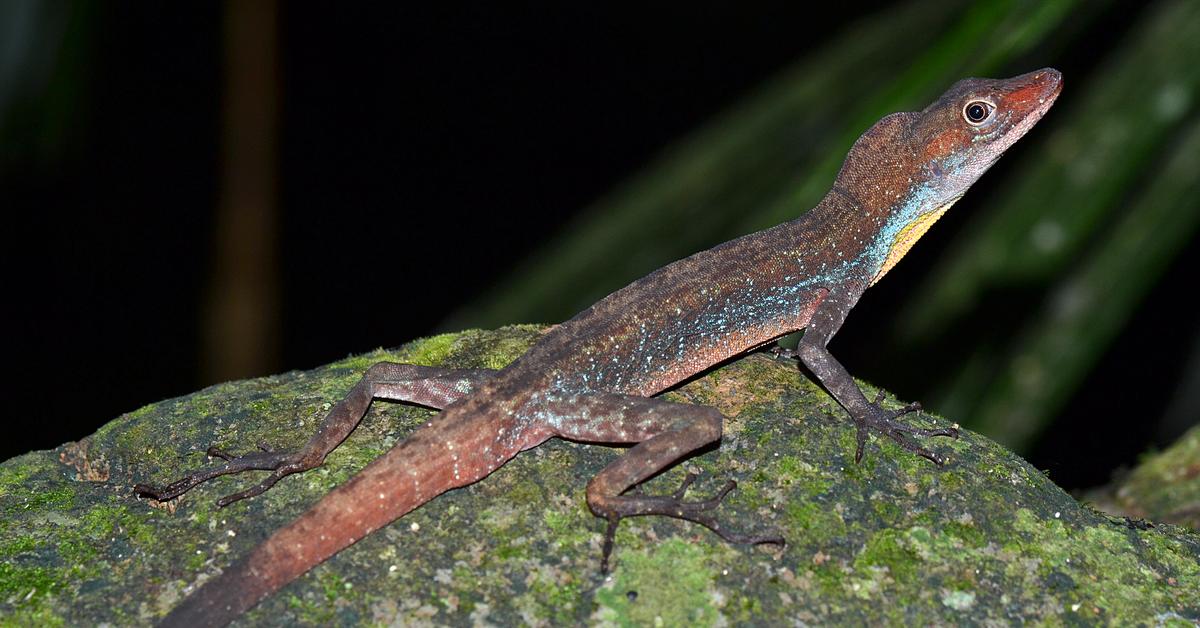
pixel 909 168
pixel 964 132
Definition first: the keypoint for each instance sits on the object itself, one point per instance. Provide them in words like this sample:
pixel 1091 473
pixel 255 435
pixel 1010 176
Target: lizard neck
pixel 905 224
pixel 900 190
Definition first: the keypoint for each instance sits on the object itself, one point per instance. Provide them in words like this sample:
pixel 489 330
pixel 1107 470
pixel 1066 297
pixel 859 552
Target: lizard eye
pixel 977 112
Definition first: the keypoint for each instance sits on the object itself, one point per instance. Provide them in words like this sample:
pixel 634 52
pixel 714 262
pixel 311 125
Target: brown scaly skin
pixel 592 378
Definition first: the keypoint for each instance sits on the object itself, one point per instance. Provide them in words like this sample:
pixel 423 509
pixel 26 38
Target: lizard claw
pixel 674 506
pixel 280 464
pixel 885 422
pixel 213 452
pixel 683 486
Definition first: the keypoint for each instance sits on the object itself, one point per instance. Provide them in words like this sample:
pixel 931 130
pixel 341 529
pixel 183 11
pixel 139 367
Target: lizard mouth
pixel 1032 97
pixel 1037 92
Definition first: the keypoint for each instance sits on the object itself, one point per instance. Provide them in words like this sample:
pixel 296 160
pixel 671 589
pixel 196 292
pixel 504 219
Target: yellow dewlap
pixel 908 236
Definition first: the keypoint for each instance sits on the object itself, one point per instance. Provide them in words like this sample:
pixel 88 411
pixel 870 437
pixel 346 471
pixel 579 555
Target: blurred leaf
pixel 1104 173
pixel 1088 308
pixel 1062 195
pixel 771 158
pixel 43 54
pixel 1074 208
pixel 980 44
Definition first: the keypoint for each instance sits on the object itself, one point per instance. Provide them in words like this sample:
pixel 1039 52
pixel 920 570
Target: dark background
pixel 422 152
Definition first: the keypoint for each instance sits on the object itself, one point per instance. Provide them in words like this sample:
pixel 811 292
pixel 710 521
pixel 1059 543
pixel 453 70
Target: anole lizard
pixel 593 377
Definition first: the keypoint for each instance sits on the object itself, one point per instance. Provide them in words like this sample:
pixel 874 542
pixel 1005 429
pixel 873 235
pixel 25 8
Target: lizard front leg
pixel 422 385
pixel 664 432
pixel 867 415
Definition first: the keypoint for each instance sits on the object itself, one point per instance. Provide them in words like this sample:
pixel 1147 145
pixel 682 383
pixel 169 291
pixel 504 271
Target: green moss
pixel 430 351
pixel 321 609
pixel 813 523
pixel 569 528
pixel 968 534
pixel 977 542
pixel 504 352
pixel 142 436
pixel 830 579
pixel 641 595
pixel 889 549
pixel 13 478
pixel 333 586
pixel 129 418
pixel 101 522
pixel 470 348
pixel 553 598
pixel 77 551
pixel 887 510
pixel 465 578
pixel 264 406
pixel 24 617
pixel 1109 550
pixel 17 546
pixel 1177 560
pixel 557 521
pixel 952 480
pixel 1164 486
pixel 27 585
pixel 789 470
pixel 311 612
pixel 37 497
pixel 742 607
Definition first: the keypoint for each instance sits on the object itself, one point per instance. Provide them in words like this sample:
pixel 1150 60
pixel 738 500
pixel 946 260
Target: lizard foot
pixel 885 421
pixel 280 464
pixel 673 505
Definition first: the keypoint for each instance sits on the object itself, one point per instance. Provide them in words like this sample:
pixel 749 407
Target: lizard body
pixel 593 378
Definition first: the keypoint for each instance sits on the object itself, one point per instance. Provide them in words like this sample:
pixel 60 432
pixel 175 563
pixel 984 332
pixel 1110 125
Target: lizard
pixel 594 377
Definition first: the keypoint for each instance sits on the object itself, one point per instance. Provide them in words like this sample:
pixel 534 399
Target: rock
pixel 1165 485
pixel 893 540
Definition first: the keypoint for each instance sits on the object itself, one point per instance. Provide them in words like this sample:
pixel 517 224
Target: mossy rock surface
pixel 1165 486
pixel 894 540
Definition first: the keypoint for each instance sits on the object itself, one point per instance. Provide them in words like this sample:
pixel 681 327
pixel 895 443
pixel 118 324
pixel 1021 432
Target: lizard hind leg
pixel 665 432
pixel 422 385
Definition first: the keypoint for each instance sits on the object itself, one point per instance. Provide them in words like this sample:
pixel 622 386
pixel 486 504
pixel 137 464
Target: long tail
pixel 464 444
